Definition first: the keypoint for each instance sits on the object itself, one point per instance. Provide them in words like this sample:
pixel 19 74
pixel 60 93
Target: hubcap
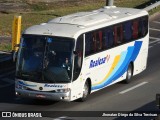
pixel 85 90
pixel 129 73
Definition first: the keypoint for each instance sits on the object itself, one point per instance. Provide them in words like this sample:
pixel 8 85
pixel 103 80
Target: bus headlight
pixel 63 90
pixel 20 86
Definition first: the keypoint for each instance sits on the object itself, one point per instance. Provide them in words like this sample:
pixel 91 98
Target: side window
pixel 127 31
pixel 140 28
pixel 105 40
pixel 135 29
pixel 93 42
pixel 99 40
pixel 78 57
pixel 109 38
pixel 143 26
pixel 88 44
pixel 115 36
pixel 118 34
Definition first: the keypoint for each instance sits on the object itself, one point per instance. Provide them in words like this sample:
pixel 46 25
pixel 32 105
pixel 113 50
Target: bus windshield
pixel 45 59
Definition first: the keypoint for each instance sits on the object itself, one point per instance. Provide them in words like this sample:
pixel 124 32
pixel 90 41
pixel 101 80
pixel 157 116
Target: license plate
pixel 40 96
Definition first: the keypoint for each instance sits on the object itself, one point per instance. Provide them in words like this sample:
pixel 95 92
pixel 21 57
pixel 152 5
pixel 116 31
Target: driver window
pixel 78 57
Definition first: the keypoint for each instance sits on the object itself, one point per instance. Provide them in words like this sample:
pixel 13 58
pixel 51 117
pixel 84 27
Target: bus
pixel 72 56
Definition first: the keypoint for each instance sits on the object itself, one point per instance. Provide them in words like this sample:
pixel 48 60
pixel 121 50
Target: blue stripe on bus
pixel 126 57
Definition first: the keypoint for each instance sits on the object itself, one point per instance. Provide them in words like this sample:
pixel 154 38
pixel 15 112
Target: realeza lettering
pixel 99 61
pixel 94 63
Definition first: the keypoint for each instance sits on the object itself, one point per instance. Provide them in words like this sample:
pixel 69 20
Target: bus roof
pixel 75 24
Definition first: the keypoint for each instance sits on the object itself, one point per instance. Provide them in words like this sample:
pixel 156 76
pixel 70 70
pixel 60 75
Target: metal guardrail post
pixel 109 2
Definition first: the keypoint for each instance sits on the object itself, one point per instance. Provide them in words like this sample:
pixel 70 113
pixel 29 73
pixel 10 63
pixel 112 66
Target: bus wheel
pixel 129 73
pixel 85 91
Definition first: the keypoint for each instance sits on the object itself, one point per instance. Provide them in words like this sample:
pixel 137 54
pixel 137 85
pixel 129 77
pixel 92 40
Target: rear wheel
pixel 85 91
pixel 129 73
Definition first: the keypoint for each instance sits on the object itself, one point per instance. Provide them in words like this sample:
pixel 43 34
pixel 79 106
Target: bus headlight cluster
pixel 63 90
pixel 20 86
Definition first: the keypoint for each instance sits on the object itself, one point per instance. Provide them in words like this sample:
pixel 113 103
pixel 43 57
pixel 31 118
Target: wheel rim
pixel 129 73
pixel 85 91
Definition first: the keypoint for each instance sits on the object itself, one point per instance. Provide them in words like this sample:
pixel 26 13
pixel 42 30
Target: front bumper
pixel 43 95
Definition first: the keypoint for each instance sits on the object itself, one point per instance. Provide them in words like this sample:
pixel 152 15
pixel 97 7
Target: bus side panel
pixel 113 69
pixel 141 61
pixel 77 88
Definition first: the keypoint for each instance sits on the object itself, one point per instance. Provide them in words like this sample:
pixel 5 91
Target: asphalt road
pixel 139 95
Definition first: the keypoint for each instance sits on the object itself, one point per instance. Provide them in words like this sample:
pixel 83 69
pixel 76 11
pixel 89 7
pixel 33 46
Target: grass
pixel 129 3
pixel 5 47
pixel 155 10
pixel 42 12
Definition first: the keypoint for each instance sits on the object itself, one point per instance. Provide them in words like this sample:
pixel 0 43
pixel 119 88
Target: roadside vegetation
pixel 34 12
pixel 5 46
pixel 155 10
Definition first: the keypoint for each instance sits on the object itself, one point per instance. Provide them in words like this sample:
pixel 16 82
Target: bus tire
pixel 85 92
pixel 129 74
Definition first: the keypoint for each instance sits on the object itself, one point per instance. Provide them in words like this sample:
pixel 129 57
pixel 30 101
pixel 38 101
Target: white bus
pixel 72 56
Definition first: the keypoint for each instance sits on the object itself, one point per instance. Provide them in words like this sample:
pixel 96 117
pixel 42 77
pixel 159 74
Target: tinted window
pixel 143 26
pixel 78 57
pixel 127 31
pixel 115 35
pixel 135 29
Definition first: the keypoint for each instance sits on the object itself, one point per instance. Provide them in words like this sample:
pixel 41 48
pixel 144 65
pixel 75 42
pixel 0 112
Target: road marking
pixel 150 46
pixel 155 40
pixel 7 74
pixel 132 88
pixel 154 29
pixel 61 118
pixel 156 22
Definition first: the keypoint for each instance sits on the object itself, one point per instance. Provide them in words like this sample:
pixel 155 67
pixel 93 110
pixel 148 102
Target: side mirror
pixel 75 52
pixel 17 45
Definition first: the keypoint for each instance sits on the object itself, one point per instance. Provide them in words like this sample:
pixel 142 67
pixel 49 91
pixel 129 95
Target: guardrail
pixel 152 6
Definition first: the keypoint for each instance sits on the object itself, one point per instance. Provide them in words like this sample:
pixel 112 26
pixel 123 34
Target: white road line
pixel 156 22
pixel 60 118
pixel 151 42
pixel 154 29
pixel 155 40
pixel 150 46
pixel 132 88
